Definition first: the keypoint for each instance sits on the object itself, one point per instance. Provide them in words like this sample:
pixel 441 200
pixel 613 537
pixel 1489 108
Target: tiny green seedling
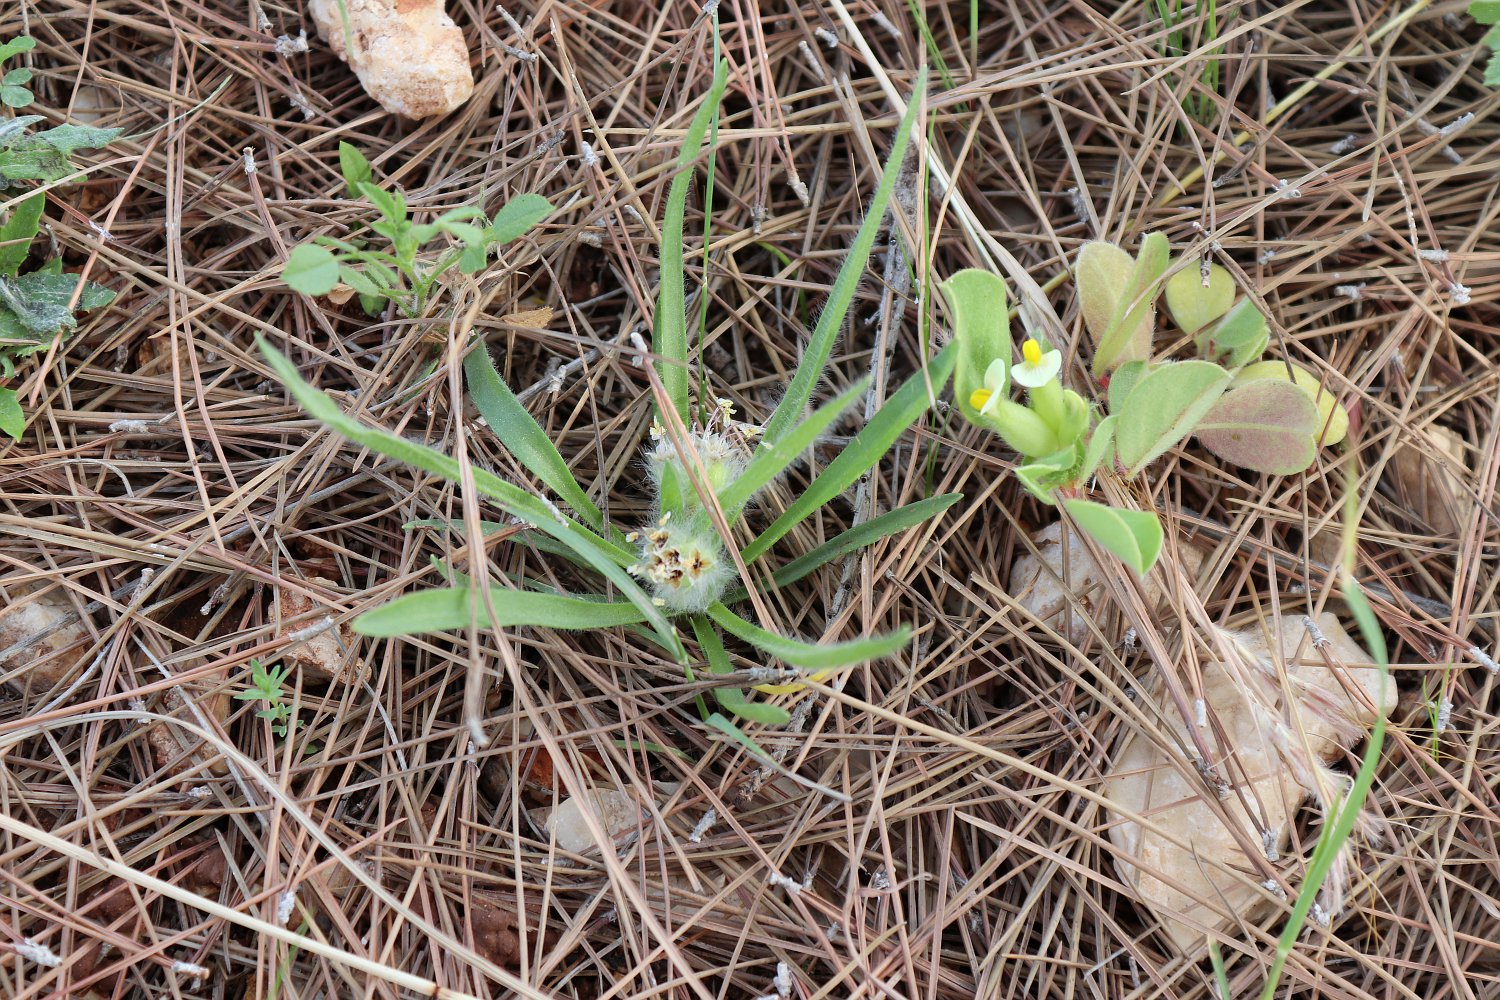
pixel 1268 416
pixel 706 469
pixel 40 304
pixel 13 90
pixel 266 688
pixel 408 272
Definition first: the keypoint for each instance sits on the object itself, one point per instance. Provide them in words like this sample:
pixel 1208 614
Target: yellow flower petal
pixel 979 397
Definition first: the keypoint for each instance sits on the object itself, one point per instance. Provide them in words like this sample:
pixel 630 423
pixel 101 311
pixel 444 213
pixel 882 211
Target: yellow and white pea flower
pixel 1037 368
pixel 988 396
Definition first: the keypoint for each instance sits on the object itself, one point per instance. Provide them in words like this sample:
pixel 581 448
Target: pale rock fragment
pixel 179 750
pixel 1064 585
pixel 43 665
pixel 1277 740
pixel 408 54
pixel 618 811
pixel 326 651
pixel 1426 483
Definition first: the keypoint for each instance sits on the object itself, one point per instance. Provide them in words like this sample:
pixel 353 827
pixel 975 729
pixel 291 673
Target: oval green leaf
pixel 1266 425
pixel 311 270
pixel 1191 303
pixel 1133 536
pixel 1164 407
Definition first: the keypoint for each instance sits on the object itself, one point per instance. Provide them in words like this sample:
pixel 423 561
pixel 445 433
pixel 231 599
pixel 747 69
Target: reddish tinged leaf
pixel 1266 425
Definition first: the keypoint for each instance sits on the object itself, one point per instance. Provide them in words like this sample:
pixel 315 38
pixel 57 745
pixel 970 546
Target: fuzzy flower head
pixel 987 397
pixel 687 569
pixel 1037 368
pixel 723 459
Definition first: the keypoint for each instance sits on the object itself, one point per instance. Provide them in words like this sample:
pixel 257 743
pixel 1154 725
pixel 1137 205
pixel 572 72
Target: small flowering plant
pixel 685 567
pixel 1268 416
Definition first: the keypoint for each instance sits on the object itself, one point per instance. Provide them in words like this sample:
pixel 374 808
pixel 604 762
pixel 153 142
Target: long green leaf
pixel 732 699
pixel 772 458
pixel 669 331
pixel 734 732
pixel 805 654
pixel 856 538
pixel 605 557
pixel 446 608
pixel 1340 825
pixel 868 447
pixel 522 435
pixel 810 369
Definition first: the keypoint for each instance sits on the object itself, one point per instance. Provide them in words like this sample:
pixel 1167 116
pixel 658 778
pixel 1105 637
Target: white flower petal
pixel 1033 375
pixel 994 375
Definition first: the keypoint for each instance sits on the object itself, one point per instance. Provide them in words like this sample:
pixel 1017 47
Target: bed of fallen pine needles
pixel 939 841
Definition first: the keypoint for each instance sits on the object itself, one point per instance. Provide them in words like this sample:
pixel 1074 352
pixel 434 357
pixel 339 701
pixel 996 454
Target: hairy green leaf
pixel 1164 407
pixel 522 435
pixel 1100 274
pixel 831 322
pixel 861 454
pixel 669 327
pixel 1101 448
pixel 861 535
pixel 448 608
pixel 1237 339
pixel 1266 425
pixel 805 654
pixel 1133 536
pixel 604 556
pixel 734 732
pixel 1123 381
pixel 771 459
pixel 1193 304
pixel 732 699
pixel 981 327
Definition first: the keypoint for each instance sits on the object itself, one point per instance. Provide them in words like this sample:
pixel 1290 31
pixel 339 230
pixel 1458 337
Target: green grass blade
pixel 805 654
pixel 1340 825
pixel 868 447
pixel 605 557
pixel 734 732
pixel 669 331
pixel 790 410
pixel 733 700
pixel 522 435
pixel 446 608
pixel 772 459
pixel 487 528
pixel 1221 977
pixel 856 538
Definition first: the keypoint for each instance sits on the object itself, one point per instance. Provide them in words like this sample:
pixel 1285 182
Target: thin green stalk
pixel 1340 822
pixel 708 208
